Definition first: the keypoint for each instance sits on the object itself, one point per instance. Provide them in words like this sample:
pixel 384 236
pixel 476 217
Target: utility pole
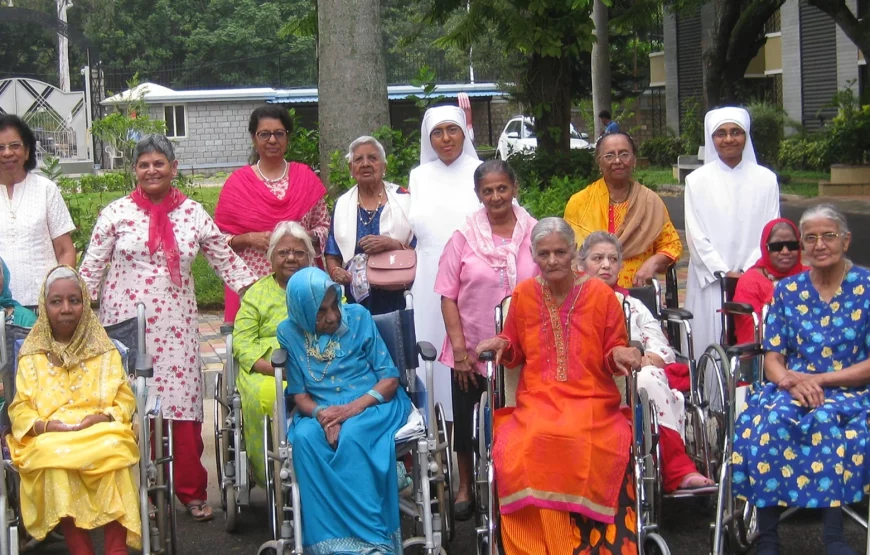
pixel 600 64
pixel 63 47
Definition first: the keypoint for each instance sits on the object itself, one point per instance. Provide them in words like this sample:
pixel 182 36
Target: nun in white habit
pixel 442 195
pixel 728 202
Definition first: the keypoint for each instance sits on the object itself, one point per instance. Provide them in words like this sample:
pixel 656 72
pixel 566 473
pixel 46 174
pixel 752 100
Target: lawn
pixel 85 207
pixel 792 182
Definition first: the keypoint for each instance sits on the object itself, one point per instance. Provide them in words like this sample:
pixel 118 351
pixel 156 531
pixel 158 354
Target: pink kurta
pixel 477 289
pixel 119 239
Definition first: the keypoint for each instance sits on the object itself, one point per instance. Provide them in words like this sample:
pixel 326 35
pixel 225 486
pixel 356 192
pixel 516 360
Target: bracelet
pixel 463 360
pixel 378 397
pixel 316 410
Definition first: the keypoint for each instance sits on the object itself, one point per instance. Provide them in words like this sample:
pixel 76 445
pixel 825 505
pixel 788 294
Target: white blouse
pixel 35 216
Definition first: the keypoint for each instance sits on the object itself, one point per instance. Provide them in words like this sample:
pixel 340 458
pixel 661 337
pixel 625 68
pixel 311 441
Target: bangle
pixel 316 410
pixel 378 397
pixel 463 360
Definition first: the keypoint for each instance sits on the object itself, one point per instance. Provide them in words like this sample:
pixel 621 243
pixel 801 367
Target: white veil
pixel 435 117
pixel 714 119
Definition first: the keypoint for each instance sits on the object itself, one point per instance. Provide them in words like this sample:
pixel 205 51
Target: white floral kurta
pixel 119 239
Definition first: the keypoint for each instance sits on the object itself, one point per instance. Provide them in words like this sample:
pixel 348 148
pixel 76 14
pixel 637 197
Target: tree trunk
pixel 601 84
pixel 857 30
pixel 548 87
pixel 352 78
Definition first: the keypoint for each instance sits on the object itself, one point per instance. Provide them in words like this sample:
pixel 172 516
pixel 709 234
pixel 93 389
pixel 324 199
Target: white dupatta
pixel 393 223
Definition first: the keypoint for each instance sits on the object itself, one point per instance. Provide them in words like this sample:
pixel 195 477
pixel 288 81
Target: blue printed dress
pixel 350 496
pixel 788 455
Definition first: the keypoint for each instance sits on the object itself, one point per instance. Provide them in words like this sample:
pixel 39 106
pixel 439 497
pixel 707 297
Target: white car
pixel 519 136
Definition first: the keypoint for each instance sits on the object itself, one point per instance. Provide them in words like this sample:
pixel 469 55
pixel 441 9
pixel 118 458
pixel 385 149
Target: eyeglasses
pixel 452 131
pixel 778 246
pixel 826 238
pixel 284 254
pixel 13 147
pixel 734 133
pixel 266 135
pixel 610 157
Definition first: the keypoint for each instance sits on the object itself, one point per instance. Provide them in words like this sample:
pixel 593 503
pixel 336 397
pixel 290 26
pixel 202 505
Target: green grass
pixel 85 207
pixel 655 176
pixel 793 182
pixel 805 175
pixel 807 190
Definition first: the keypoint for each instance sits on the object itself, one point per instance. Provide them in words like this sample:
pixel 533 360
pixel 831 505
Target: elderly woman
pixel 480 266
pixel 14 312
pixel 255 334
pixel 601 257
pixel 780 258
pixel 271 190
pixel 35 224
pixel 561 456
pixel 801 442
pixel 442 196
pixel 728 202
pixel 618 204
pixel 350 405
pixel 372 217
pixel 72 398
pixel 145 244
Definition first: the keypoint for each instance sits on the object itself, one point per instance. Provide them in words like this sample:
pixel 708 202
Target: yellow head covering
pixel 88 341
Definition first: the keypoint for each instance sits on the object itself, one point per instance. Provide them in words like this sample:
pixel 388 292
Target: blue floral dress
pixel 786 454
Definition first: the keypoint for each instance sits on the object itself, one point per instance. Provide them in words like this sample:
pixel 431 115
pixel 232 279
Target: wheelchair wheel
pixel 712 391
pixel 271 478
pixel 445 496
pixel 481 492
pixel 651 463
pixel 653 544
pixel 228 496
pixel 221 436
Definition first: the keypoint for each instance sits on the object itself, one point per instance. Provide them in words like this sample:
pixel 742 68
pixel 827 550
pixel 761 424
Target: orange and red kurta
pixel 565 446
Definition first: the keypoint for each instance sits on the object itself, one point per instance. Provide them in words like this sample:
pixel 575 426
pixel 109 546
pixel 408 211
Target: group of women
pixel 561 454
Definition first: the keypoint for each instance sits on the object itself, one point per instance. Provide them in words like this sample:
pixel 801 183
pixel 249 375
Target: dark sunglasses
pixel 777 246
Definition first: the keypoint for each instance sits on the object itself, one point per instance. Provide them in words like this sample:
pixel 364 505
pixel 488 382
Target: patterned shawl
pixel 88 341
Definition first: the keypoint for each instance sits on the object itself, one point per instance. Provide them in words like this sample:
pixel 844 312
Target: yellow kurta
pixel 590 210
pixel 87 474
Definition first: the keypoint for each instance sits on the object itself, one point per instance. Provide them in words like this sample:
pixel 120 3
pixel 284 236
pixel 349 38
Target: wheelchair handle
pixel 675 314
pixel 279 358
pixel 486 356
pixel 427 351
pixel 226 329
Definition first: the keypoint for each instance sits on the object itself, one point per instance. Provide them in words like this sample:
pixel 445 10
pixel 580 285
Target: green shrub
pixel 550 200
pixel 768 128
pixel 810 152
pixel 662 151
pixel 849 132
pixel 692 125
pixel 539 169
pixel 304 144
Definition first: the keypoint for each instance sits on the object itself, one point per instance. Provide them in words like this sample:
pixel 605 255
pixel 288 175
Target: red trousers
pixel 78 541
pixel 676 464
pixel 191 477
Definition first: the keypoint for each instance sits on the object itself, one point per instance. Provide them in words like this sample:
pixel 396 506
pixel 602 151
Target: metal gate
pixel 58 119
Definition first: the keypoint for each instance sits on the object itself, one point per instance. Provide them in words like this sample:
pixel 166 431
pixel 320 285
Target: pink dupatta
pixel 161 232
pixel 478 234
pixel 247 205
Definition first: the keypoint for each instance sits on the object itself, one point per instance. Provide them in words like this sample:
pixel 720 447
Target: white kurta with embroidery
pixel 726 211
pixel 120 240
pixel 441 198
pixel 29 222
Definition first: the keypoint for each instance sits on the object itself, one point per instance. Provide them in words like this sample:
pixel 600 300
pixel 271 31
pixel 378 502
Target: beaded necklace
pixel 273 181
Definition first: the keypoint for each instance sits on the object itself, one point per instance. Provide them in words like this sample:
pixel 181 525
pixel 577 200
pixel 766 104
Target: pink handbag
pixel 393 270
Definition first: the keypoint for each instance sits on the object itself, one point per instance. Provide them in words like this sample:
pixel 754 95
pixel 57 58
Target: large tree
pixel 549 34
pixel 352 79
pixel 858 30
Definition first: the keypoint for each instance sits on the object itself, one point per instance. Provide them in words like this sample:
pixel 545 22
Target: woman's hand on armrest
pixel 625 359
pixel 496 344
pixel 263 366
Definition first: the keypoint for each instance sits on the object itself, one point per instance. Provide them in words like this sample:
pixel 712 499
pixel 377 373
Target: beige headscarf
pixel 88 341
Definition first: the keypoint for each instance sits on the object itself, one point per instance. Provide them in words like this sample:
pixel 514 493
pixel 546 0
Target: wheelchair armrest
pixel 675 314
pixel 738 308
pixel 486 356
pixel 744 350
pixel 427 351
pixel 279 358
pixel 226 329
pixel 637 345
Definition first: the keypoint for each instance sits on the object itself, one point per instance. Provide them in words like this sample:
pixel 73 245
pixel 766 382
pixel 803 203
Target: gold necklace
pixel 327 355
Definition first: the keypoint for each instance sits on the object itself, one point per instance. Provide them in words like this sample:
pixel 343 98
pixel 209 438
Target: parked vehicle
pixel 519 136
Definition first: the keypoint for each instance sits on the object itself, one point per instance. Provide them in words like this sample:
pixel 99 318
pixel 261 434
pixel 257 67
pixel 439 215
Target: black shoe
pixel 463 510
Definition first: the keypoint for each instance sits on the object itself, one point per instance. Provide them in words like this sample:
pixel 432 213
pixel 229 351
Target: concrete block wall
pixel 217 133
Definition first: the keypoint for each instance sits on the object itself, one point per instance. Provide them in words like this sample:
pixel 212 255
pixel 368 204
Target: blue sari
pixel 350 497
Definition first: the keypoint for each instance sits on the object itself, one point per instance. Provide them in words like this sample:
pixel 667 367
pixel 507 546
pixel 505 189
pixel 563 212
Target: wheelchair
pixel 231 460
pixel 155 468
pixel 430 503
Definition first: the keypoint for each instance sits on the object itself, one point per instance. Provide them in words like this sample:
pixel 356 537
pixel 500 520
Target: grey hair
pixel 154 143
pixel 824 212
pixel 549 226
pixel 366 140
pixel 782 226
pixel 58 274
pixel 596 238
pixel 293 229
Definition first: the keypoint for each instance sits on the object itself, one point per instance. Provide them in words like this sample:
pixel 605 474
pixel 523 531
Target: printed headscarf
pixel 714 120
pixel 305 292
pixel 88 341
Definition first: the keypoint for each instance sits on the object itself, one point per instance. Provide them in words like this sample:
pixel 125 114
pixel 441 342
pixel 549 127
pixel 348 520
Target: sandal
pixel 696 481
pixel 200 511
